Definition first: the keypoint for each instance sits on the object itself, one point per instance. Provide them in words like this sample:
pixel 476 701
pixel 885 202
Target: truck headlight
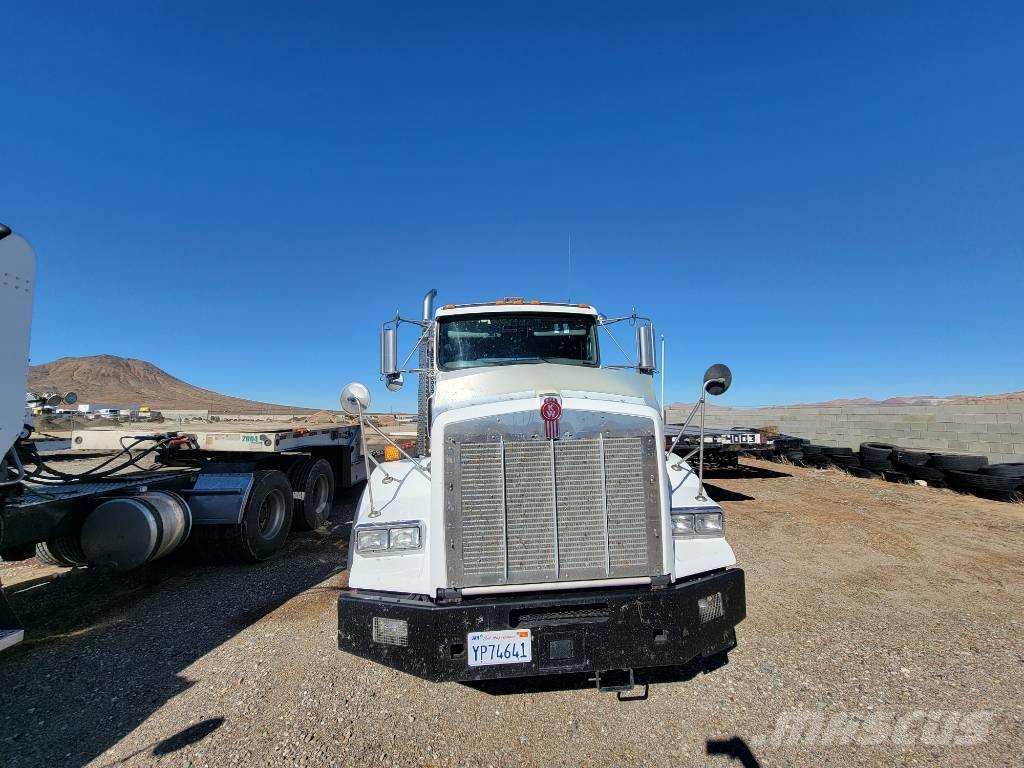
pixel 709 523
pixel 404 538
pixel 384 539
pixel 682 524
pixel 690 524
pixel 372 540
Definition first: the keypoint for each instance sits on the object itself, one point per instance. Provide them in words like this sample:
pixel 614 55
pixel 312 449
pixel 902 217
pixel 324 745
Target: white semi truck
pixel 541 527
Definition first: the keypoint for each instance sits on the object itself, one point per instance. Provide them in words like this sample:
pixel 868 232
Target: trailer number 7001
pixel 504 646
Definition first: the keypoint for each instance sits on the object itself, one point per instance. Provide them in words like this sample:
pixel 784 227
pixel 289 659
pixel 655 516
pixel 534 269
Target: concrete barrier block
pixel 1009 418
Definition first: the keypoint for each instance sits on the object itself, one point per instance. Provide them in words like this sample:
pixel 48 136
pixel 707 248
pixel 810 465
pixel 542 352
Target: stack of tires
pixel 790 449
pixel 902 465
pixel 814 456
pixel 844 458
pixel 876 457
pixel 917 465
pixel 999 481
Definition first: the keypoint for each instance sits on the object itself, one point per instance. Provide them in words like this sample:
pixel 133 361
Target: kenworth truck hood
pixel 476 386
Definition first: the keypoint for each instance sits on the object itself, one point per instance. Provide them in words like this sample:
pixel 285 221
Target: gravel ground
pixel 889 615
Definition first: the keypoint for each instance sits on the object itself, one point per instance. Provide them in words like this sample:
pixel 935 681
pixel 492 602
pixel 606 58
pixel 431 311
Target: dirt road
pixel 884 622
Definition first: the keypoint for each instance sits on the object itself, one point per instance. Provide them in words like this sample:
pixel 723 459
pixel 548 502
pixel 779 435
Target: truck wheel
pixel 266 519
pixel 64 551
pixel 314 479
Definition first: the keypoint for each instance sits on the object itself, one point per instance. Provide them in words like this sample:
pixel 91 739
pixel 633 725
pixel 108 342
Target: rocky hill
pixel 124 381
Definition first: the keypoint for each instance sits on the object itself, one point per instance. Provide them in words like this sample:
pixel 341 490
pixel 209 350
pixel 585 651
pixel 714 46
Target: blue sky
pixel 826 196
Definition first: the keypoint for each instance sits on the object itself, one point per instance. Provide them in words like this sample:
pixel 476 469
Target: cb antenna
pixel 569 300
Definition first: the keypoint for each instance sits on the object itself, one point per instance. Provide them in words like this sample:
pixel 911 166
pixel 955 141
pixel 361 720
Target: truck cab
pixel 542 528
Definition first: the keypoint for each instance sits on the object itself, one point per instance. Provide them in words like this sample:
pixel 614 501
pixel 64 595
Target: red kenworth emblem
pixel 551 412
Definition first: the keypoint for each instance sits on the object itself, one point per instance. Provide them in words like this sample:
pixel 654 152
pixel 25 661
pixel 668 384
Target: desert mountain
pixel 123 381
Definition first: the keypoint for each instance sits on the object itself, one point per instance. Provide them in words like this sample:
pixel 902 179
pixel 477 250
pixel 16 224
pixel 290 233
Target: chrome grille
pixel 624 482
pixel 531 510
pixel 581 520
pixel 483 543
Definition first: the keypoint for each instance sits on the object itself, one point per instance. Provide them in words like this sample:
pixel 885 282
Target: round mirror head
pixel 717 379
pixel 54 400
pixel 355 398
pixel 70 398
pixel 394 382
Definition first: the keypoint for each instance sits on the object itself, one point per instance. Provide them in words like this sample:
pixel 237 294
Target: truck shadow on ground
pixel 103 652
pixel 718 493
pixel 743 472
pixel 735 749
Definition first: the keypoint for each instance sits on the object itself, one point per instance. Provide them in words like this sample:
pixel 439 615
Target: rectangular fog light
pixel 390 631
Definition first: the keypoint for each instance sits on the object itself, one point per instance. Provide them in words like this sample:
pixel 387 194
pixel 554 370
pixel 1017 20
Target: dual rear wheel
pixel 278 502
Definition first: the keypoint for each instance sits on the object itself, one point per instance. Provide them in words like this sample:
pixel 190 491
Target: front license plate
pixel 504 646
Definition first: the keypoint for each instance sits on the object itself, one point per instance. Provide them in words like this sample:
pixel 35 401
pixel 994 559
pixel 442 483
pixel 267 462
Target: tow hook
pixel 620 681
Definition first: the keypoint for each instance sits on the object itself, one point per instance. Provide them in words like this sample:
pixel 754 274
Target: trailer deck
pixel 229 438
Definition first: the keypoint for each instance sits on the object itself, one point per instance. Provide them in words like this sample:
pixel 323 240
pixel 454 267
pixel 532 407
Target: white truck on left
pixel 237 491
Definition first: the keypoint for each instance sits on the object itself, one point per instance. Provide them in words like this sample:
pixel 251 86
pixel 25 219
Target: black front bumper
pixel 572 631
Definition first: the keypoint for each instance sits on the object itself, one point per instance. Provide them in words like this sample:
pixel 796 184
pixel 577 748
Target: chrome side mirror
pixel 717 379
pixel 355 399
pixel 646 362
pixel 388 351
pixel 393 380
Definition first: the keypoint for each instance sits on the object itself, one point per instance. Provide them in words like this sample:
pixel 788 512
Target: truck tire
pixel 863 472
pixel 266 519
pixel 959 462
pixel 930 475
pixel 976 481
pixel 833 450
pixel 876 453
pixel 64 551
pixel 314 479
pixel 1015 469
pixel 911 458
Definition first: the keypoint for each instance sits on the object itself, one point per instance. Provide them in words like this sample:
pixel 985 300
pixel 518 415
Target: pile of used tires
pixel 970 474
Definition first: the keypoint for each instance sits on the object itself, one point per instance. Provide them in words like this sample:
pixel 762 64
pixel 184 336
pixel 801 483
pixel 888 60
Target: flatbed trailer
pixel 722 447
pixel 236 490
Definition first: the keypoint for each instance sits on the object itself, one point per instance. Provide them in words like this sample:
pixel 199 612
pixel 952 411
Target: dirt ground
pixel 884 628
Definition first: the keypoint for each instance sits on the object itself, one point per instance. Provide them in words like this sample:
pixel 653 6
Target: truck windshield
pixel 505 339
